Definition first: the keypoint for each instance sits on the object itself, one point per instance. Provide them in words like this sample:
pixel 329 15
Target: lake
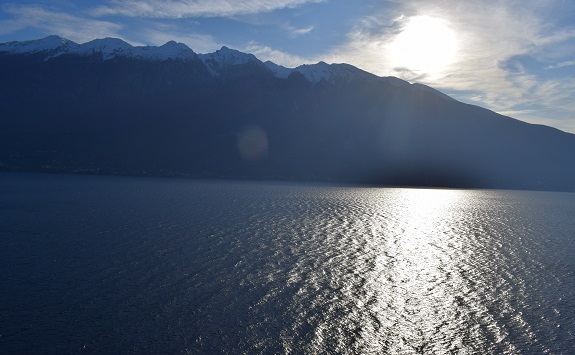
pixel 148 265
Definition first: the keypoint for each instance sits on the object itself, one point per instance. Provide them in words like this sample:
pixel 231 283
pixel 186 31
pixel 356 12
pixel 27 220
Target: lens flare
pixel 252 143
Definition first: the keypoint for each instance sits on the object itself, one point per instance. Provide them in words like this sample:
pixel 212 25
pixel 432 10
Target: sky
pixel 513 57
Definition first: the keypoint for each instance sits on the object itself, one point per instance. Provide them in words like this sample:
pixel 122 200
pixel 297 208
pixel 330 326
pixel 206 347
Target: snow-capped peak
pixel 228 56
pixel 46 44
pixel 331 72
pixel 225 57
pixel 278 70
pixel 315 72
pixel 108 47
pixel 55 46
pixel 170 50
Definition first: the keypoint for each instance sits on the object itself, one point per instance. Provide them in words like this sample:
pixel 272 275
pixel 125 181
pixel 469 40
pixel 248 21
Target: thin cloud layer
pixel 278 57
pixel 296 32
pixel 568 63
pixel 75 28
pixel 494 37
pixel 192 8
pixel 158 33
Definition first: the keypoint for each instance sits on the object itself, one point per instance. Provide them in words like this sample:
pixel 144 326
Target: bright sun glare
pixel 426 45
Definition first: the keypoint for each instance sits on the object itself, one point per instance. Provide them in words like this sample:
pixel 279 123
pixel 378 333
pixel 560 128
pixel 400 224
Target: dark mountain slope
pixel 124 115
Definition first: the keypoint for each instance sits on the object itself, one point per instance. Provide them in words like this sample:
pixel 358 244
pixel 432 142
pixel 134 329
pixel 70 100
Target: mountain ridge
pixel 108 109
pixel 54 46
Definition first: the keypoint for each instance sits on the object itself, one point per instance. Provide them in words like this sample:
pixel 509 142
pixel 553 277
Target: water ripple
pixel 140 265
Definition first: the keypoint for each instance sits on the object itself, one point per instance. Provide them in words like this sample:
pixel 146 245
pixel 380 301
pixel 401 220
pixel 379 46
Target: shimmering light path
pixel 147 265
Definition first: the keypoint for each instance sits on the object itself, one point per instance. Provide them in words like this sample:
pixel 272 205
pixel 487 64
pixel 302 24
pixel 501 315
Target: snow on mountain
pixel 224 57
pixel 320 71
pixel 47 44
pixel 315 72
pixel 331 72
pixel 345 72
pixel 55 46
pixel 108 47
pixel 113 47
pixel 278 70
pixel 170 50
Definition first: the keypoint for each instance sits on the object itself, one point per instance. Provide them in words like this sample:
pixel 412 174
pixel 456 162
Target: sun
pixel 426 45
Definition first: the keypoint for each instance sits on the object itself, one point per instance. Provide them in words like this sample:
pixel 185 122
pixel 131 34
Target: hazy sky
pixel 514 57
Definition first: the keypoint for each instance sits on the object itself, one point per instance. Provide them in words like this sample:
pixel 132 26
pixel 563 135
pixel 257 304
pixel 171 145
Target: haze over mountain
pixel 109 107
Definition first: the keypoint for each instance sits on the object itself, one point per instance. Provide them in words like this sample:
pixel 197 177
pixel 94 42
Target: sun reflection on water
pixel 425 210
pixel 421 217
pixel 419 269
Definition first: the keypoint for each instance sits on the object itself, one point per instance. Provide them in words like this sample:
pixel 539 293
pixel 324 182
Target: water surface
pixel 144 265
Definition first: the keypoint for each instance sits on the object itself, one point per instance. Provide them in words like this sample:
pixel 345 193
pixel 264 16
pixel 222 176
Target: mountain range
pixel 107 107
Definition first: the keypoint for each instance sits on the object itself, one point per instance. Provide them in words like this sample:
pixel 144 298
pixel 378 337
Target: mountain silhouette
pixel 107 107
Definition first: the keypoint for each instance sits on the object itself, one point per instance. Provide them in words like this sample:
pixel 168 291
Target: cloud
pixel 193 8
pixel 489 33
pixel 296 32
pixel 265 53
pixel 561 65
pixel 75 28
pixel 158 34
pixel 11 26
